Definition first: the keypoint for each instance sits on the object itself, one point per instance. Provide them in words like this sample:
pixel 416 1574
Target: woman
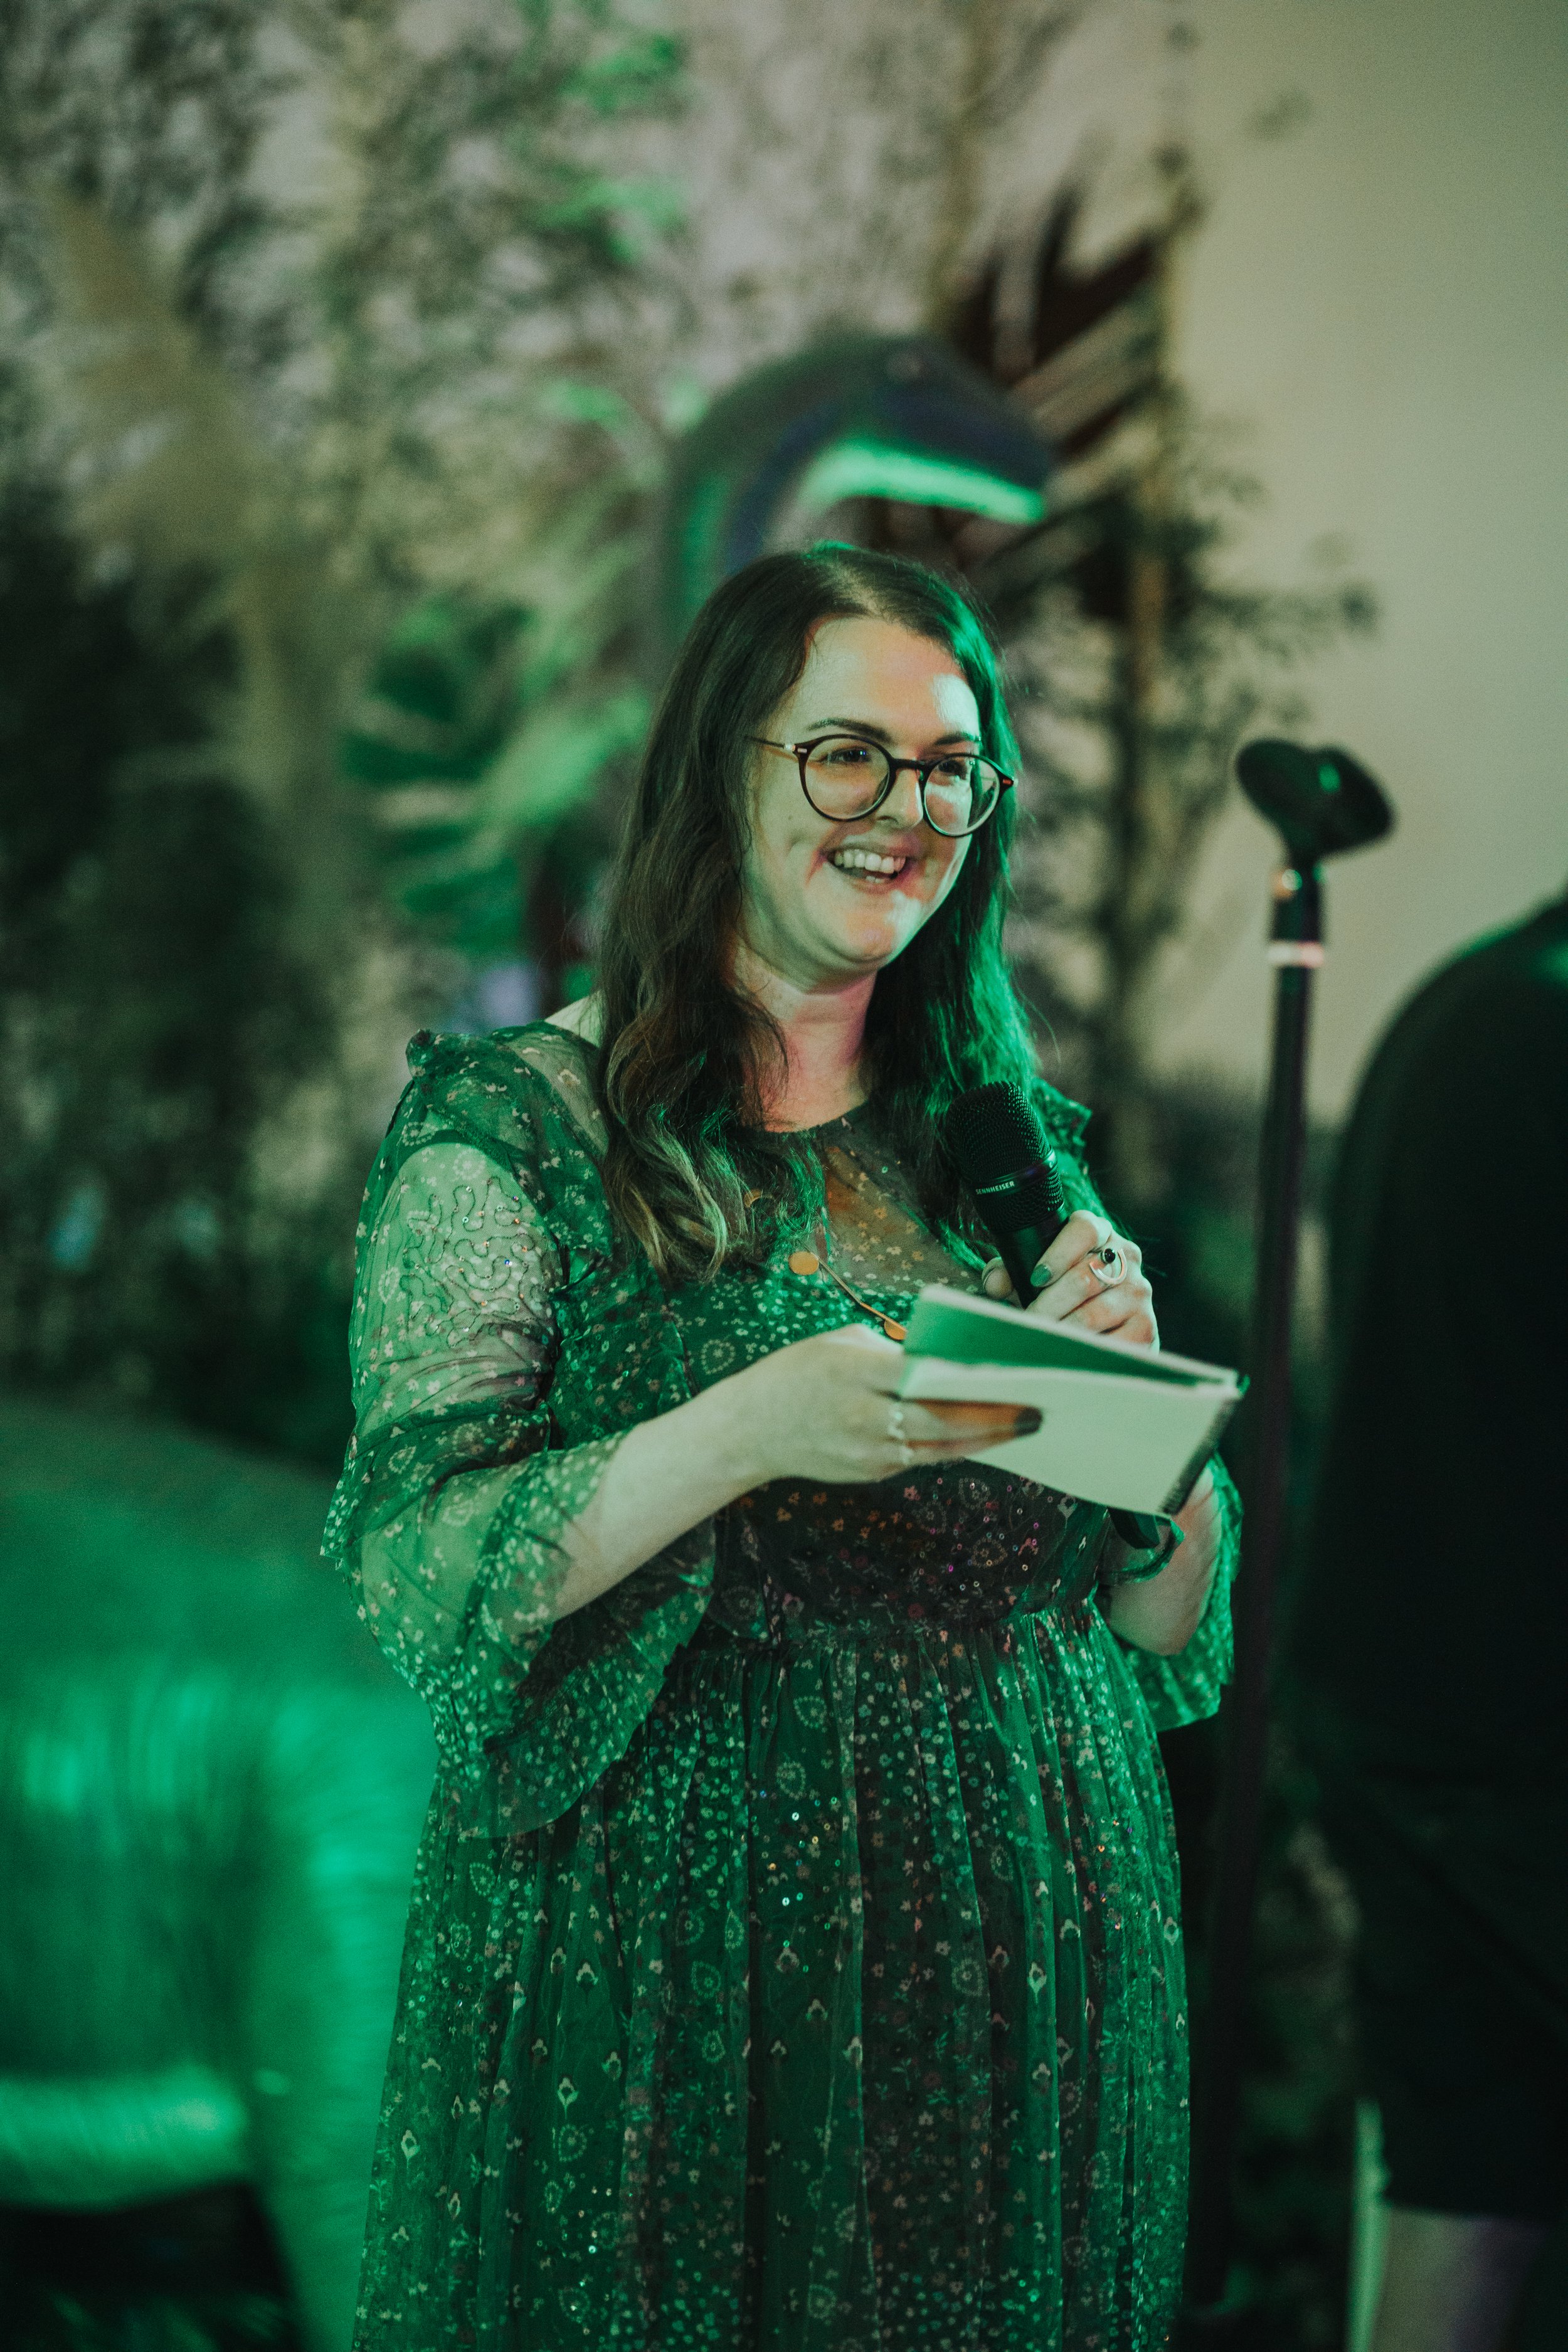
pixel 793 1959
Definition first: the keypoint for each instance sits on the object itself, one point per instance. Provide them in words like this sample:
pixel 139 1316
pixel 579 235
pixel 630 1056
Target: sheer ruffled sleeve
pixel 453 1511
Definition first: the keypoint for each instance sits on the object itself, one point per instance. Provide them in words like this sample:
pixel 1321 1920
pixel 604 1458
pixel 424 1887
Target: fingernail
pixel 1042 1278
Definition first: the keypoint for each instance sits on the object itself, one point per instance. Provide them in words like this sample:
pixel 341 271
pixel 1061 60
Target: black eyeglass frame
pixel 923 771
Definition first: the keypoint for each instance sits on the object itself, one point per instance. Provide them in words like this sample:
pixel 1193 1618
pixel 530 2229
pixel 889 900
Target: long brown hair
pixel 691 1173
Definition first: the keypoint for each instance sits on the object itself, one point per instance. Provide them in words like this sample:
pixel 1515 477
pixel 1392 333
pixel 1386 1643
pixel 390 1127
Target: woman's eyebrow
pixel 878 734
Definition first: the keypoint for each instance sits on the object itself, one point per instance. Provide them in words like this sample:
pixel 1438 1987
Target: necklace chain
pixel 814 1262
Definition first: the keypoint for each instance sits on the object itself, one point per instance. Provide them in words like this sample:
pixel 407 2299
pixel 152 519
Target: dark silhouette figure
pixel 1432 1627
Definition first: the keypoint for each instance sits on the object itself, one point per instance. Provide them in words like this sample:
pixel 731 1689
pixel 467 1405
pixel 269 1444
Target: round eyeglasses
pixel 843 776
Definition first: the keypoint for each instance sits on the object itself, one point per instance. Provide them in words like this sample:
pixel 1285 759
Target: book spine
pixel 1190 1474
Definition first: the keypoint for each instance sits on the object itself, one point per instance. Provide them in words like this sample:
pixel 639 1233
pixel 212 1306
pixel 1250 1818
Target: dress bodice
pixel 954 1545
pixel 505 1340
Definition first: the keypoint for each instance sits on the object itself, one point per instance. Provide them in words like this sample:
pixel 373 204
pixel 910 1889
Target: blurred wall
pixel 1380 289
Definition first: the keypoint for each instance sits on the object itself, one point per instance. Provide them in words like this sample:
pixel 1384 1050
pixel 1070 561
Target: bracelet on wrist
pixel 1138 1567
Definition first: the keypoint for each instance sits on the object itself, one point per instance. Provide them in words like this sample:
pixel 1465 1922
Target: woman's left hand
pixel 1092 1277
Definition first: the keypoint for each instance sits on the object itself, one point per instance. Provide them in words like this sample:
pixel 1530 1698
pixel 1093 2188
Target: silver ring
pixel 1109 1266
pixel 896 1434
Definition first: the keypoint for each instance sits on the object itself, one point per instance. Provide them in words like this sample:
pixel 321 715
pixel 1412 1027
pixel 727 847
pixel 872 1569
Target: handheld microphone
pixel 995 1135
pixel 1003 1155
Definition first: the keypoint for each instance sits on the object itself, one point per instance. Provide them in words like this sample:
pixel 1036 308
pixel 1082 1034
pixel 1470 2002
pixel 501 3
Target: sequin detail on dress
pixel 794 1958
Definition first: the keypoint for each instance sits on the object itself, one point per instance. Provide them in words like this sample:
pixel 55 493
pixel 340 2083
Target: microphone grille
pixel 993 1131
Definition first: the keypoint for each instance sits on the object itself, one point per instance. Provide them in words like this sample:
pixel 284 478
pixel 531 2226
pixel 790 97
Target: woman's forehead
pixel 871 658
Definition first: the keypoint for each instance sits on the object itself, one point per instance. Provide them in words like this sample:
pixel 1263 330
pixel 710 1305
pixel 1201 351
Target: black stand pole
pixel 1323 802
pixel 1295 951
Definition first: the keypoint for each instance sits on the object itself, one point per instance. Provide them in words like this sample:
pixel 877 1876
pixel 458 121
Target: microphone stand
pixel 1322 801
pixel 1297 952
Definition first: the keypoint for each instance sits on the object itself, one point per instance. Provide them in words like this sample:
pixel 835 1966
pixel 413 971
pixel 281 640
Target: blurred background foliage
pixel 317 477
pixel 350 349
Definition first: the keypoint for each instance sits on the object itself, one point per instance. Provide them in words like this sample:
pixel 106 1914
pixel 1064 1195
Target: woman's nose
pixel 903 806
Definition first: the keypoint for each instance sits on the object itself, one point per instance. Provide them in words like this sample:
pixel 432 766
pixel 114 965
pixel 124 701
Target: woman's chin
pixel 878 935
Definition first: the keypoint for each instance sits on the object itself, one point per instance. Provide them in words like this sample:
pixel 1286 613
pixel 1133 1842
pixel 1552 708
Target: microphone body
pixel 995 1135
pixel 1023 1213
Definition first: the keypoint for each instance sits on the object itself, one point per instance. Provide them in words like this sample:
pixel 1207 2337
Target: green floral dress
pixel 794 1957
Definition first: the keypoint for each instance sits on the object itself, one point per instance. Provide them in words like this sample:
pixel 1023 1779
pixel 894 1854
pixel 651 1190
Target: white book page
pixel 1103 1437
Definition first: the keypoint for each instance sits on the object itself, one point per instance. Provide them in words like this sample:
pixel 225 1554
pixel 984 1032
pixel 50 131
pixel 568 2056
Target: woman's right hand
pixel 822 1409
pixel 827 1408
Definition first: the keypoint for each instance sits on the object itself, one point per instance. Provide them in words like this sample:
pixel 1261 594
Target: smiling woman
pixel 795 1960
pixel 740 963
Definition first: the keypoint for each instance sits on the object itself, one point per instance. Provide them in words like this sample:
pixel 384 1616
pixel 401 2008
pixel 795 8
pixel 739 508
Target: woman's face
pixel 811 909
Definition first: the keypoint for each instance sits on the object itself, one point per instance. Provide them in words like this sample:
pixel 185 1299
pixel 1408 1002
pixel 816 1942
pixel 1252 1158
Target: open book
pixel 1127 1426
